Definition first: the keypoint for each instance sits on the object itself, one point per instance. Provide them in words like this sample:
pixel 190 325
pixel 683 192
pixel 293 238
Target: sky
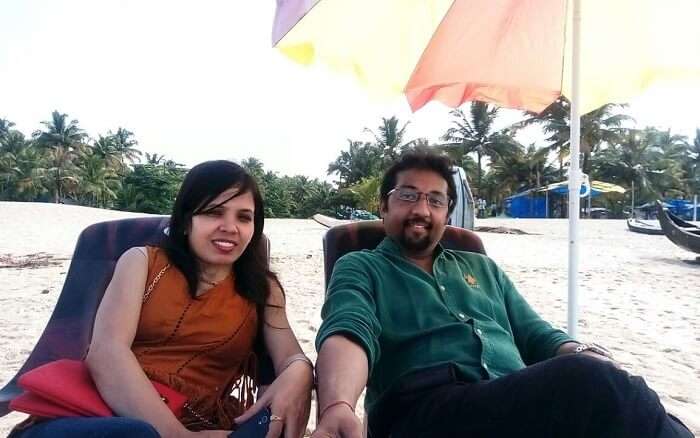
pixel 199 80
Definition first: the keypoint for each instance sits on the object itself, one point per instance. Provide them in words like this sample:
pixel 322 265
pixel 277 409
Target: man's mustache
pixel 417 221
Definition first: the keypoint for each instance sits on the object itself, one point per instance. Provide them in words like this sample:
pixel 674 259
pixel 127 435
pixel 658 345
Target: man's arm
pixel 348 346
pixel 535 338
pixel 341 370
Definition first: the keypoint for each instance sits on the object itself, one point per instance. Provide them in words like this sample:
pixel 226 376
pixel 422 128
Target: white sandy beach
pixel 639 296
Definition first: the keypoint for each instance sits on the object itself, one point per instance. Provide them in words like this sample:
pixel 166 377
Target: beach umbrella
pixel 513 53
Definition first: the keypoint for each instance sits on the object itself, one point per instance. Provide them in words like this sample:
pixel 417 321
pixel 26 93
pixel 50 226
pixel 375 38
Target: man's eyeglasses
pixel 435 200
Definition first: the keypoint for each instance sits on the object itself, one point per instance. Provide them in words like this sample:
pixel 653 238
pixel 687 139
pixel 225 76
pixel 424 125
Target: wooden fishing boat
pixel 638 226
pixel 678 231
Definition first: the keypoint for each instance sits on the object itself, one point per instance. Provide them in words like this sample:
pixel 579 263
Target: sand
pixel 638 294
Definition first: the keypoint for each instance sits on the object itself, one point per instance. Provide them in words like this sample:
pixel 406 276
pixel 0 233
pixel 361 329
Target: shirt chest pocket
pixel 412 306
pixel 477 302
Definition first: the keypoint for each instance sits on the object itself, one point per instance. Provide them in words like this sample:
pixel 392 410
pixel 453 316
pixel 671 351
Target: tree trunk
pixel 478 173
pixel 57 192
pixel 561 167
pixel 586 163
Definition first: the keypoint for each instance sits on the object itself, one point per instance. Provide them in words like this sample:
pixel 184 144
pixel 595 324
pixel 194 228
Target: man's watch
pixel 594 348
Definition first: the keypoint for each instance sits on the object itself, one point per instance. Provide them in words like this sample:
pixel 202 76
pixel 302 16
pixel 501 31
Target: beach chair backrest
pixel 68 332
pixel 355 236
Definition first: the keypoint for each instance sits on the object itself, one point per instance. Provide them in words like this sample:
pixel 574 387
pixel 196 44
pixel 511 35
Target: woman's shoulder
pixel 135 253
pixel 152 256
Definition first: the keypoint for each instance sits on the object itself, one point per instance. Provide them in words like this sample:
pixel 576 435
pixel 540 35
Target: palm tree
pixel 125 145
pixel 99 182
pixel 22 171
pixel 638 161
pixel 691 166
pixel 104 148
pixel 5 127
pixel 361 160
pixel 389 139
pixel 476 135
pixel 61 140
pixel 520 170
pixel 254 167
pixel 598 127
pixel 155 159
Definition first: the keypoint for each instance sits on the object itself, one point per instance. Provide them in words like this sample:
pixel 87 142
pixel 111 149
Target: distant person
pixel 447 347
pixel 187 314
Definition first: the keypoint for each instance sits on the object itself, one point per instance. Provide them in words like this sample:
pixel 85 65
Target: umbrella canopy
pixel 514 53
pixel 597 188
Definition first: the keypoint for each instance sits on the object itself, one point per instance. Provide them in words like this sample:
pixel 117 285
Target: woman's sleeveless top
pixel 201 347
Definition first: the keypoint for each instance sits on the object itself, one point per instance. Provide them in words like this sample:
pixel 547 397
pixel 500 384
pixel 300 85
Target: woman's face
pixel 218 236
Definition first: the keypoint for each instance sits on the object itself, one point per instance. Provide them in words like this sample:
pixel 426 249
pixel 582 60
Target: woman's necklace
pixel 210 283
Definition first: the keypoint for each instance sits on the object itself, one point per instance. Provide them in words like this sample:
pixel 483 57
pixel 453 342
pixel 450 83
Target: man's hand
pixel 600 357
pixel 338 421
pixel 570 348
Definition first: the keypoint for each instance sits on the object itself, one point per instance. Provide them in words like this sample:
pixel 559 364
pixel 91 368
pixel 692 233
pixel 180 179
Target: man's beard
pixel 415 244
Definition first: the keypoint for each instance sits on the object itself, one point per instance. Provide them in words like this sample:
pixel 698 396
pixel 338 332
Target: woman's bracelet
pixel 296 358
pixel 335 403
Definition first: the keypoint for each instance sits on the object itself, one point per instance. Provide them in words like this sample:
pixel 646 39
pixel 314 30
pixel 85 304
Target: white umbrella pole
pixel 695 208
pixel 574 175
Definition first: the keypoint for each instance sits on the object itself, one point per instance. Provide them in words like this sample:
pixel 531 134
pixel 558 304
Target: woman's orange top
pixel 201 347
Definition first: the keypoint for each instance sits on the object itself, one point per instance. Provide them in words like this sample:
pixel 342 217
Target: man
pixel 448 348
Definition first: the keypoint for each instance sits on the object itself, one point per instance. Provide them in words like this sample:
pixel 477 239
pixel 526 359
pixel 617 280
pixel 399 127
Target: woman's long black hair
pixel 202 184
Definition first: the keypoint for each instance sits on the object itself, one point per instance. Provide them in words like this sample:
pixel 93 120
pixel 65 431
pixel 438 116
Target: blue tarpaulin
pixel 532 203
pixel 680 207
pixel 526 205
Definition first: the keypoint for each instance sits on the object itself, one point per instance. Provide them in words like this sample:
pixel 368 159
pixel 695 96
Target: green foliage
pixel 476 135
pixel 367 192
pixel 295 196
pixel 359 161
pixel 61 163
pixel 151 188
pixel 645 160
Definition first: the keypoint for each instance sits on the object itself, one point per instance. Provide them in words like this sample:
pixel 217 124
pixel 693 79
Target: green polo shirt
pixel 467 313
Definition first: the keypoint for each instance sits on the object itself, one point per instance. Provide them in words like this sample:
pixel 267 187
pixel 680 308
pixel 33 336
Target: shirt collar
pixel 389 246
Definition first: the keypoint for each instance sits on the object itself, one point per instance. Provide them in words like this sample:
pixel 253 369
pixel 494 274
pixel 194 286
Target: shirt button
pixel 442 288
pixel 478 331
pixel 486 367
pixel 461 315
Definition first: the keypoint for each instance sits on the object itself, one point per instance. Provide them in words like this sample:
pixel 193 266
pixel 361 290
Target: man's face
pixel 416 226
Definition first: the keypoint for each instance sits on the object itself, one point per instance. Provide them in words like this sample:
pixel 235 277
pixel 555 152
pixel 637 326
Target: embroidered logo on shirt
pixel 471 280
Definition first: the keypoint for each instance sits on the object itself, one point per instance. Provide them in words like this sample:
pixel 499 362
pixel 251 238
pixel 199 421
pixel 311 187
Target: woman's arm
pixel 114 368
pixel 280 341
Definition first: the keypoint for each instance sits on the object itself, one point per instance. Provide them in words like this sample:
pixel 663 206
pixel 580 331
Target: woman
pixel 187 314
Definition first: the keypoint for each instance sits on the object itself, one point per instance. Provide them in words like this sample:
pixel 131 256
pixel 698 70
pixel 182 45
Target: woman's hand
pixel 289 399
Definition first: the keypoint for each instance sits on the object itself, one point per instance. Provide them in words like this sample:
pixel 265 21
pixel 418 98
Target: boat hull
pixel 643 228
pixel 683 234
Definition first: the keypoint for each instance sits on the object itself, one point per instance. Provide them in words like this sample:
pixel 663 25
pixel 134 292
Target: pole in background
pixel 574 175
